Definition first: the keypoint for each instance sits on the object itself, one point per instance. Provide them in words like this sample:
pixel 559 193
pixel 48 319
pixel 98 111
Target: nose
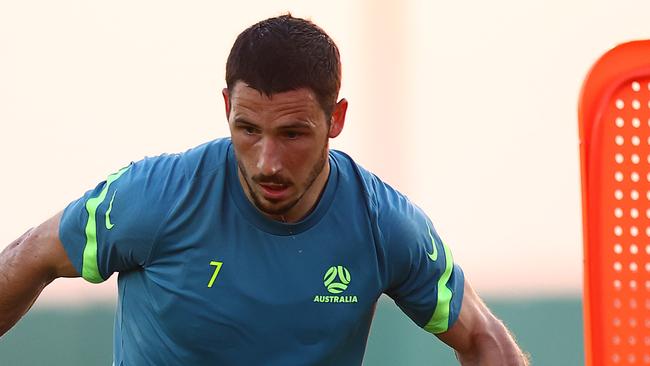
pixel 269 162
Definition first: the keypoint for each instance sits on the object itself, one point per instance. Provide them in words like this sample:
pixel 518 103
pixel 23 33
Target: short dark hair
pixel 286 53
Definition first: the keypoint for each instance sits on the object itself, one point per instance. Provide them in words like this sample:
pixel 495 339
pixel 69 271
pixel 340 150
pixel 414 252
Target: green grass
pixel 549 329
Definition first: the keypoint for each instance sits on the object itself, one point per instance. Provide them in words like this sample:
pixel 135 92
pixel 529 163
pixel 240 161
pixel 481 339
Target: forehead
pixel 246 99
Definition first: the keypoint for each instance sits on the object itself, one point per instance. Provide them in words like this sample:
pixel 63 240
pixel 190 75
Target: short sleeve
pixel 113 227
pixel 423 279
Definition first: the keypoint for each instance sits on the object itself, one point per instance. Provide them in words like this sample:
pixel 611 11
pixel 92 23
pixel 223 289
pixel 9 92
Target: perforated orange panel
pixel 615 161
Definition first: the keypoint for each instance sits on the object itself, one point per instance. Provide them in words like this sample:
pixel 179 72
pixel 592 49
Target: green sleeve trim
pixel 90 268
pixel 440 320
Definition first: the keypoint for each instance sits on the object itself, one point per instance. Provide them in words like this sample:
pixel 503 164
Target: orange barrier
pixel 614 113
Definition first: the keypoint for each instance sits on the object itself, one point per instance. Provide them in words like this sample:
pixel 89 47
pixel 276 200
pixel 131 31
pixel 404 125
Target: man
pixel 265 248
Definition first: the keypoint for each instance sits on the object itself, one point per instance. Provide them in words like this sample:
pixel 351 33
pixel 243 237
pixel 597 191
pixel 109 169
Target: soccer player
pixel 264 248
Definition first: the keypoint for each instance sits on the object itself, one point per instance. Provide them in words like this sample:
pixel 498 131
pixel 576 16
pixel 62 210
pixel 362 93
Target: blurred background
pixel 467 107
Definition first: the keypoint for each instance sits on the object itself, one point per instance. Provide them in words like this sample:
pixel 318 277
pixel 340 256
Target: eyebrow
pixel 291 125
pixel 242 120
pixel 297 125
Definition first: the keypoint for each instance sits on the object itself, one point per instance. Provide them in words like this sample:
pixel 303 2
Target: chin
pixel 275 208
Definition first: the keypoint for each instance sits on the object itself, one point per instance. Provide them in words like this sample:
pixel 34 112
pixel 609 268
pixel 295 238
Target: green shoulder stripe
pixel 90 268
pixel 440 320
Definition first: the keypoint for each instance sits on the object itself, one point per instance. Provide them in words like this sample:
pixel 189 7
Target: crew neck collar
pixel 264 223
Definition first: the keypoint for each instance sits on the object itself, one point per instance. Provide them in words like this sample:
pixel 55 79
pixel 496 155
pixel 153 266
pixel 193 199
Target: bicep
pixel 112 227
pixel 472 319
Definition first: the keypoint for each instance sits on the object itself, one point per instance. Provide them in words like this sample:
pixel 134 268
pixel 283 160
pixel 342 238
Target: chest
pixel 235 285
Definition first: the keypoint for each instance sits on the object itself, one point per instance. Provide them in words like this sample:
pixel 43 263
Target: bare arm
pixel 479 338
pixel 27 265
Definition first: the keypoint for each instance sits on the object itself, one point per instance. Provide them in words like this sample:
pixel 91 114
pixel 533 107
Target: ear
pixel 338 118
pixel 226 101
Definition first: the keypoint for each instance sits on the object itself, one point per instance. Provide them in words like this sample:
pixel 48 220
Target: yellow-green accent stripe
pixel 440 320
pixel 90 269
pixel 108 212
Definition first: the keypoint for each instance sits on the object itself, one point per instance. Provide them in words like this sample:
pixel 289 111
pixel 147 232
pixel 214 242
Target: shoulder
pixel 165 172
pixel 353 174
pixel 146 189
pixel 161 180
pixel 206 158
pixel 392 211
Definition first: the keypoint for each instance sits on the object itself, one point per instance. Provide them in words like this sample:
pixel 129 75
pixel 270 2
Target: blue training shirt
pixel 206 279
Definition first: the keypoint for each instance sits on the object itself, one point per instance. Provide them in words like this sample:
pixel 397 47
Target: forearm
pixel 494 347
pixel 19 285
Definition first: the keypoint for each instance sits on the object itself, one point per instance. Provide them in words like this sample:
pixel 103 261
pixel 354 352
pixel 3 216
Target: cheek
pixel 302 157
pixel 244 152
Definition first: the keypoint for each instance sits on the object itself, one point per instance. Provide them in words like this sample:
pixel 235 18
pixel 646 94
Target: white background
pixel 467 107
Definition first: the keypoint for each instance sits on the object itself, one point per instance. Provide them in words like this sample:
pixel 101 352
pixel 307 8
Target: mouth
pixel 274 191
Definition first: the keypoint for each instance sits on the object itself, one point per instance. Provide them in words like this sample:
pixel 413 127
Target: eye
pixel 292 135
pixel 249 130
